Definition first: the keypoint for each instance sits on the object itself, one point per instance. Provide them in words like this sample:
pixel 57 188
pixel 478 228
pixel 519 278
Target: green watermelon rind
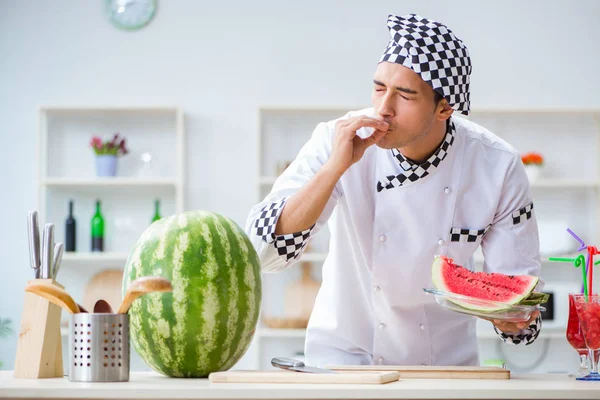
pixel 215 270
pixel 495 307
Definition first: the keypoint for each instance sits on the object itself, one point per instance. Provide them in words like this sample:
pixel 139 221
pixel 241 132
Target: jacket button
pixel 376 288
pixel 422 327
pixel 447 190
pixel 382 326
pixel 380 360
pixel 441 242
pixel 382 238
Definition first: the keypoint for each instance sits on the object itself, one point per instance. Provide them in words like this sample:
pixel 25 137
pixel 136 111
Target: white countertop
pixel 150 385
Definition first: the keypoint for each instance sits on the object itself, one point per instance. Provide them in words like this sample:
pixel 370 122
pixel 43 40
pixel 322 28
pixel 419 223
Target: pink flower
pixel 96 142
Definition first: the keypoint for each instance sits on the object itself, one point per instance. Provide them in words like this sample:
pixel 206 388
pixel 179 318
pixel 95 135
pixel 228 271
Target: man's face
pixel 406 102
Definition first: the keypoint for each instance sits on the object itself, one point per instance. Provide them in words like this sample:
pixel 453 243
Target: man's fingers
pixel 367 122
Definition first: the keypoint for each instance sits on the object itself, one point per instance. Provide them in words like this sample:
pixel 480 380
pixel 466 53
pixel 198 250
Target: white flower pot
pixel 533 172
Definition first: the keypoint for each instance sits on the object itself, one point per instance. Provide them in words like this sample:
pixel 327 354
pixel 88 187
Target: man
pixel 399 183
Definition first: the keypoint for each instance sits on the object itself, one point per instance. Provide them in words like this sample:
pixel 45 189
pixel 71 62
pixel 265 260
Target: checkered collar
pixel 412 171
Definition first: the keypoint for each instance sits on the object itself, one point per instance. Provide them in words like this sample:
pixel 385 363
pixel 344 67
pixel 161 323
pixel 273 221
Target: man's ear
pixel 443 110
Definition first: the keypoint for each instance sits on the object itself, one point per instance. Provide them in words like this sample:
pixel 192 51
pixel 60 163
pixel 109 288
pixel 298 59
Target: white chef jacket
pixel 388 218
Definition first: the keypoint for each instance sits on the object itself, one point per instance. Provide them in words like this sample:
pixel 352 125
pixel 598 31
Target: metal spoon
pixel 140 286
pixel 55 295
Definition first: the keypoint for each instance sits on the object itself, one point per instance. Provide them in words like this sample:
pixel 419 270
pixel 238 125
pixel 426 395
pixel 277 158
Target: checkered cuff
pixel 290 245
pixel 526 335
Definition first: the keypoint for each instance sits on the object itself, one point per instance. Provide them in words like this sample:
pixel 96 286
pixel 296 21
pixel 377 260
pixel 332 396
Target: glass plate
pixel 464 304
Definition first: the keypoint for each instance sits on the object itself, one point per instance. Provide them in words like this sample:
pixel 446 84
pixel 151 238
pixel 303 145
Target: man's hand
pixel 348 147
pixel 512 327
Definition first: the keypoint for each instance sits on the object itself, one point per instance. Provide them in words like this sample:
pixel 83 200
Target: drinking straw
pixel 583 246
pixel 577 238
pixel 577 262
pixel 592 251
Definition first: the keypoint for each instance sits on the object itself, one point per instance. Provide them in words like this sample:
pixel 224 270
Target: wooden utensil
pixel 105 285
pixel 102 307
pixel 300 295
pixel 431 372
pixel 55 295
pixel 358 377
pixel 140 286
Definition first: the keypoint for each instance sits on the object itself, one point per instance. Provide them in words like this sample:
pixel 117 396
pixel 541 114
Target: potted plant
pixel 533 165
pixel 107 153
pixel 5 330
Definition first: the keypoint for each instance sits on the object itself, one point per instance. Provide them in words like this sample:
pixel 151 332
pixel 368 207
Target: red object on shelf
pixel 574 333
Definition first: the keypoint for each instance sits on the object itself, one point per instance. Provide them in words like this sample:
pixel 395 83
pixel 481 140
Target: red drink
pixel 589 317
pixel 574 333
pixel 588 311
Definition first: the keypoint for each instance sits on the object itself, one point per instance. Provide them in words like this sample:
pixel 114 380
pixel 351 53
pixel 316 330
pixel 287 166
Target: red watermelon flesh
pixel 507 289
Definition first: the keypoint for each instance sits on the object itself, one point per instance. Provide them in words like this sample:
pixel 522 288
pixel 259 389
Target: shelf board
pixel 543 183
pixel 118 258
pixel 112 109
pixel 280 333
pixel 100 182
pixel 565 183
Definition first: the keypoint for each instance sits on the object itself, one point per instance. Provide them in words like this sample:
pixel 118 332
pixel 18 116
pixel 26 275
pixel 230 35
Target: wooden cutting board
pixel 431 372
pixel 358 377
pixel 105 285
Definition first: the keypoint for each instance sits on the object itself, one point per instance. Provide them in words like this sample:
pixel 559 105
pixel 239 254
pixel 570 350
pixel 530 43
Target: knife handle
pixel 47 250
pixel 33 231
pixel 285 363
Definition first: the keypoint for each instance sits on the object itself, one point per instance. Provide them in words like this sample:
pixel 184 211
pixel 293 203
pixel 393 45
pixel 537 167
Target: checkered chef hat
pixel 431 50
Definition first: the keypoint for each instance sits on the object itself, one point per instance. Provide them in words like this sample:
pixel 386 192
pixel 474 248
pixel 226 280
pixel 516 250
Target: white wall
pixel 222 60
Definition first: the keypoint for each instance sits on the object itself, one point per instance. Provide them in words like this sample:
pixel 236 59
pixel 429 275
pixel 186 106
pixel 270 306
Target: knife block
pixel 39 347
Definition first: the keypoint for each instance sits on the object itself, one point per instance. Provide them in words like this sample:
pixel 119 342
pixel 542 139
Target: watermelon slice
pixel 507 290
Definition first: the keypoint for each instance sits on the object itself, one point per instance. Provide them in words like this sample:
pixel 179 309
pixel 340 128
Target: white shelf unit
pixel 567 192
pixel 66 170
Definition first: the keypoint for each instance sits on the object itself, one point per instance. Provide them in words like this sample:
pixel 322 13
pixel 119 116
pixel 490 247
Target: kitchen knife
pixel 296 365
pixel 47 250
pixel 58 253
pixel 33 231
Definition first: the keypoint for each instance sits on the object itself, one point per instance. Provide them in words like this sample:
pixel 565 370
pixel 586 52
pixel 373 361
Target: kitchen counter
pixel 150 385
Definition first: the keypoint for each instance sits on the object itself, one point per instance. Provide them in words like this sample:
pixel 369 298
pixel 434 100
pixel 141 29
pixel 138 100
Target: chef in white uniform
pixel 397 184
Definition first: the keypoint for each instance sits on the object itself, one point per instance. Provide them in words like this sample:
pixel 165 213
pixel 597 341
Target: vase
pixel 533 172
pixel 106 165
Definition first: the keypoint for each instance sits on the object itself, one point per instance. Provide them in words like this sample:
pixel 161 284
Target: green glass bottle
pixel 156 210
pixel 98 229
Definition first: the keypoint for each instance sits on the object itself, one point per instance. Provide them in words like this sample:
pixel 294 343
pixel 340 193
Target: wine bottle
pixel 70 230
pixel 98 229
pixel 156 210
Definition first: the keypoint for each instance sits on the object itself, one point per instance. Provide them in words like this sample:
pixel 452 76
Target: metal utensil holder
pixel 99 347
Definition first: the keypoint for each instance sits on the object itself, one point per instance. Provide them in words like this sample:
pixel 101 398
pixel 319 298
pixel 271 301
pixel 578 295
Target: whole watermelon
pixel 207 323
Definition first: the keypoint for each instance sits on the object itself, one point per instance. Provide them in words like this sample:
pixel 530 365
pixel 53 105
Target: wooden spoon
pixel 102 307
pixel 140 286
pixel 55 295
